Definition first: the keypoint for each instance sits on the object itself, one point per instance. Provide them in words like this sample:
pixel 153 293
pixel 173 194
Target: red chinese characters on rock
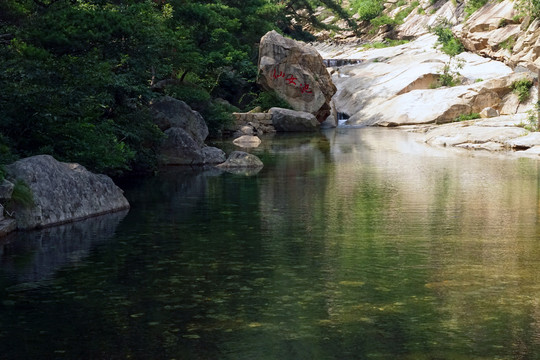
pixel 292 80
pixel 305 88
pixel 276 75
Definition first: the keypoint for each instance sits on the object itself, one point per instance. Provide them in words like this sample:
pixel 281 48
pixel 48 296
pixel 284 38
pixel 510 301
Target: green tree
pixel 76 80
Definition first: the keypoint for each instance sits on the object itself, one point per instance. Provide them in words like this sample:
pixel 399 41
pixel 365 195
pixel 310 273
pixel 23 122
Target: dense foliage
pixel 295 15
pixel 522 89
pixel 78 75
pixel 368 9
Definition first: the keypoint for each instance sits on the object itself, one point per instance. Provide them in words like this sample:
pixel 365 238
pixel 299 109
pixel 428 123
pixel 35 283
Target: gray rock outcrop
pixel 213 155
pixel 296 72
pixel 6 189
pixel 62 192
pixel 7 225
pixel 291 120
pixel 172 113
pixel 185 133
pixel 179 148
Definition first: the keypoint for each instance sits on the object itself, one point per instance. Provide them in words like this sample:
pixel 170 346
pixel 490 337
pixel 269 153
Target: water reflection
pixel 33 256
pixel 356 243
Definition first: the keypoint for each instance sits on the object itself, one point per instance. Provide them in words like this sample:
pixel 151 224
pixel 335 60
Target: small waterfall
pixel 342 118
pixel 340 62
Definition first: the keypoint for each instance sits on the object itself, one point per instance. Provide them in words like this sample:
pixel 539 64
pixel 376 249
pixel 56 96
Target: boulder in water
pixel 296 72
pixel 247 141
pixel 185 133
pixel 169 112
pixel 290 120
pixel 240 159
pixel 62 192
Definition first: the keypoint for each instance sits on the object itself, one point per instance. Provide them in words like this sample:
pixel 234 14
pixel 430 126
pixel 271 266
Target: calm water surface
pixel 353 244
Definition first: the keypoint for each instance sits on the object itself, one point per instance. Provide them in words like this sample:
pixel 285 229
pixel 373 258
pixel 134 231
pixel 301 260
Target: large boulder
pixel 62 192
pixel 169 113
pixel 179 148
pixel 213 155
pixel 185 132
pixel 291 120
pixel 296 72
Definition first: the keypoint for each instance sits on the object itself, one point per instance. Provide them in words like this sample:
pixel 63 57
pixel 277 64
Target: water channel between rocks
pixel 351 244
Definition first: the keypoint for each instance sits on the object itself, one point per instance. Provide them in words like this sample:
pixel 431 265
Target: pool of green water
pixel 351 244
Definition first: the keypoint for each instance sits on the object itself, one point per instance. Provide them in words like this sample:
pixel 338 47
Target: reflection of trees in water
pixel 325 253
pixel 458 230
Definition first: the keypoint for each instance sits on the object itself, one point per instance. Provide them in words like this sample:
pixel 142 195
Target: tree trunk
pixel 183 76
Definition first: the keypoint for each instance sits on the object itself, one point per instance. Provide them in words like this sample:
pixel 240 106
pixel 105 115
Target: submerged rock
pixel 62 192
pixel 240 159
pixel 296 72
pixel 247 141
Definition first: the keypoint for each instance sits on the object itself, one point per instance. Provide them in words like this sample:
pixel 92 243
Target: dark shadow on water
pixel 32 256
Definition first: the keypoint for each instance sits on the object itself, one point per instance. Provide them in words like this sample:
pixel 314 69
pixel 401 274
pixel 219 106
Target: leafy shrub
pixel 218 116
pixel 368 9
pixel 526 8
pixel 532 119
pixel 464 117
pixel 508 44
pixel 522 89
pixel 400 16
pixel 445 79
pixel 448 76
pixel 269 99
pixel 450 45
pixel 21 197
pixel 195 96
pixel 474 5
pixel 382 20
pixel 398 19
